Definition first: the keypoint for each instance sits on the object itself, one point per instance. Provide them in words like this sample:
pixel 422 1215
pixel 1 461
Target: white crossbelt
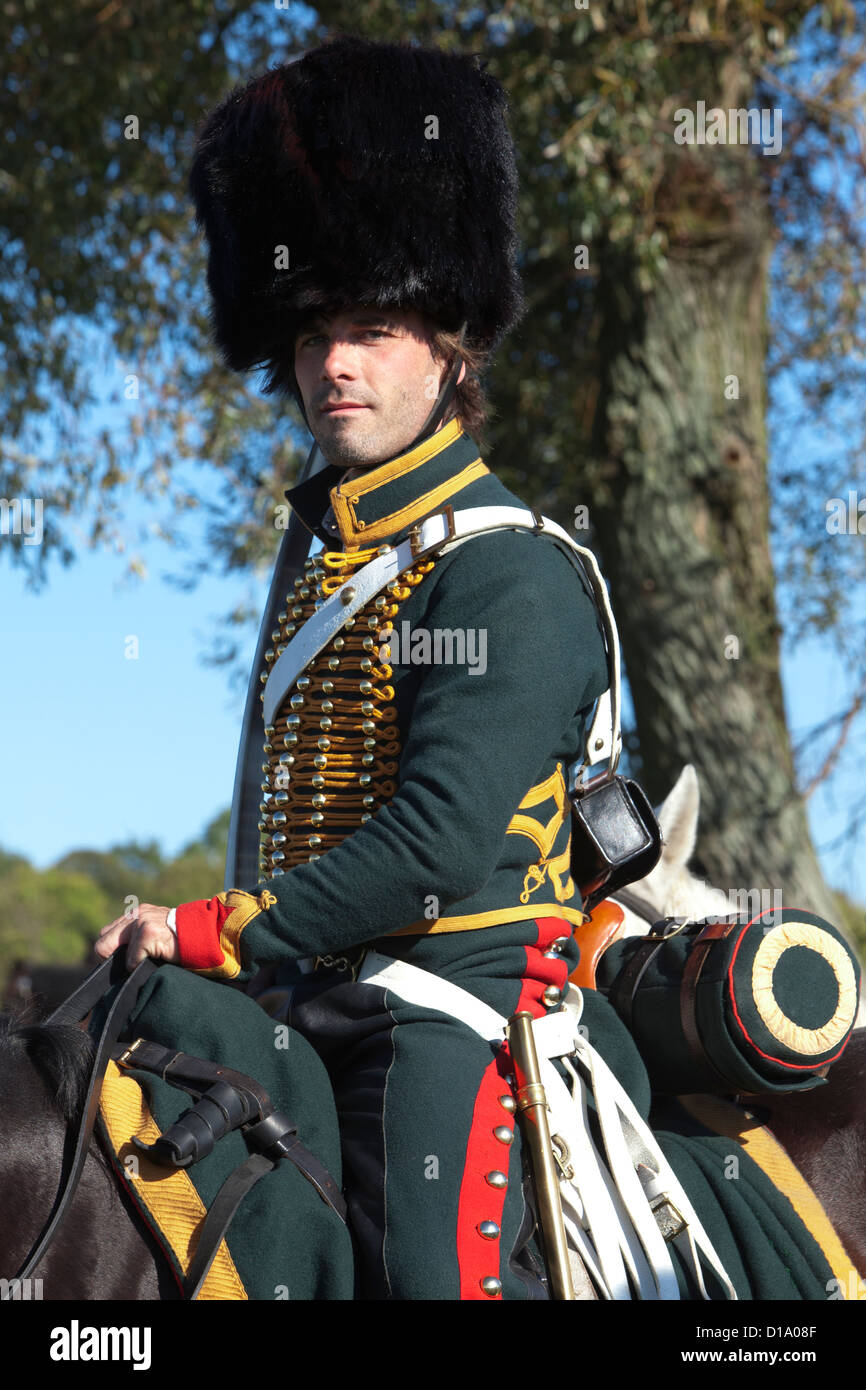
pixel 440 533
pixel 608 1200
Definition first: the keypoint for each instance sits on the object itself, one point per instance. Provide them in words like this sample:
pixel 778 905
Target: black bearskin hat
pixel 387 173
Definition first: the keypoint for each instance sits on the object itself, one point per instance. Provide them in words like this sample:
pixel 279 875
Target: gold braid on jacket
pixel 332 752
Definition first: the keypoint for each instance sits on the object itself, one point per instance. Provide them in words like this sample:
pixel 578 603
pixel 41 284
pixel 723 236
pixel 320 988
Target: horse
pixel 42 988
pixel 104 1250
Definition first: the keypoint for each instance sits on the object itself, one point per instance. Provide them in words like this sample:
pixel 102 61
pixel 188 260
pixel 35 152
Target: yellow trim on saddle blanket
pixel 168 1194
pixel 765 1150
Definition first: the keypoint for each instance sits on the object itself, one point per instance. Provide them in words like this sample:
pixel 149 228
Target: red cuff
pixel 198 933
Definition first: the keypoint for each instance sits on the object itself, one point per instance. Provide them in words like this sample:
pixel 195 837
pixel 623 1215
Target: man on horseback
pixel 415 794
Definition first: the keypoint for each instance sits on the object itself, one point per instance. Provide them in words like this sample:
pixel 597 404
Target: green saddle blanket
pixel 284 1241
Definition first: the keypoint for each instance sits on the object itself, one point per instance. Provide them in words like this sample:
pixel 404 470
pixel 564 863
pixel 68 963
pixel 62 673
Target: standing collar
pixel 384 502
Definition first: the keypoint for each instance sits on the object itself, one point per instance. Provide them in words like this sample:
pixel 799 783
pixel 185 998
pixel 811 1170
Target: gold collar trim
pixel 346 497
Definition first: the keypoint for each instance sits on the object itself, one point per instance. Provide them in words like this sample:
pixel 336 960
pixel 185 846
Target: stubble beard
pixel 375 439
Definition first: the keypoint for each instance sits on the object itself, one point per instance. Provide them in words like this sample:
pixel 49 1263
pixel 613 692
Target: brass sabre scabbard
pixel 532 1105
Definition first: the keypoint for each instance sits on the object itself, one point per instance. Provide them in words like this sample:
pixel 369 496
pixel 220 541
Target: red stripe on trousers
pixel 479 1258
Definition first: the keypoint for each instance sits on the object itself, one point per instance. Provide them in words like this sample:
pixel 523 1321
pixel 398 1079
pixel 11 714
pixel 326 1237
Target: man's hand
pixel 145 934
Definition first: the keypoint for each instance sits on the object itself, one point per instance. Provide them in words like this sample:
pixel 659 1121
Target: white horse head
pixel 672 890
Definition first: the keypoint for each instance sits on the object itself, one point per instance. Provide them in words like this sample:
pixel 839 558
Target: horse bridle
pixel 238 1102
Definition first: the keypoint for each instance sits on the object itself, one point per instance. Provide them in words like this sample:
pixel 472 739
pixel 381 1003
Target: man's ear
pixel 444 373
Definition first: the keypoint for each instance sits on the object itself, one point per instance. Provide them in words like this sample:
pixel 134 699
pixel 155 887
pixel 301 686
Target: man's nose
pixel 340 359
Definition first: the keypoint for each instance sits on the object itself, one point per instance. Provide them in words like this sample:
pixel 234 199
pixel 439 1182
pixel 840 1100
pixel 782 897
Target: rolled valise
pixel 739 1005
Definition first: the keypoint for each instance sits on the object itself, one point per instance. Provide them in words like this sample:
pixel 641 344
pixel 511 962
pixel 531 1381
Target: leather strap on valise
pixel 627 982
pixel 695 962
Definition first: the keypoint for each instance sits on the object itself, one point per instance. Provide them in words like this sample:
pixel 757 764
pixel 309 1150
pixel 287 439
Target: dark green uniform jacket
pixel 466 823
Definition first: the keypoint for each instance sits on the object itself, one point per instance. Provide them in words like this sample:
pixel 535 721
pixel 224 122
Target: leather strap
pixel 695 962
pixel 625 986
pixel 187 1073
pixel 220 1213
pixel 264 1128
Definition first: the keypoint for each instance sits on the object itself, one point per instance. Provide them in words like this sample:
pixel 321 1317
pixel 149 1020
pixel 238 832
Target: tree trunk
pixel 683 537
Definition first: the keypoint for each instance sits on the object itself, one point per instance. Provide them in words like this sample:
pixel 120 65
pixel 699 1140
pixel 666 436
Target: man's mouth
pixel 339 406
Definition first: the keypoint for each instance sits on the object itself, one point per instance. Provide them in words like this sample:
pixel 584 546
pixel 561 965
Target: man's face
pixel 380 362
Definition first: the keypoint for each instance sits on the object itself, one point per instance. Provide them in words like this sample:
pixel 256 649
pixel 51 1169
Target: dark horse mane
pixel 61 1053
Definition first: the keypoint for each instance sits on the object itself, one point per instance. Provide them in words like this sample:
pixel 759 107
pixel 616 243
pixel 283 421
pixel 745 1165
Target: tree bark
pixel 683 535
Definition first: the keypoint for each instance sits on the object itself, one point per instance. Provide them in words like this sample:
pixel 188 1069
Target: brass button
pixel 504 1134
pixel 491 1286
pixel 488 1229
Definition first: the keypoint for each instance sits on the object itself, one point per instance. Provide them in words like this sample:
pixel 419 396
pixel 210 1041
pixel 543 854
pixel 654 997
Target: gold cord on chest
pixel 331 755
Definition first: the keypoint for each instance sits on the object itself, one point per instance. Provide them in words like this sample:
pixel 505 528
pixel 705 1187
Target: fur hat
pixel 387 173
